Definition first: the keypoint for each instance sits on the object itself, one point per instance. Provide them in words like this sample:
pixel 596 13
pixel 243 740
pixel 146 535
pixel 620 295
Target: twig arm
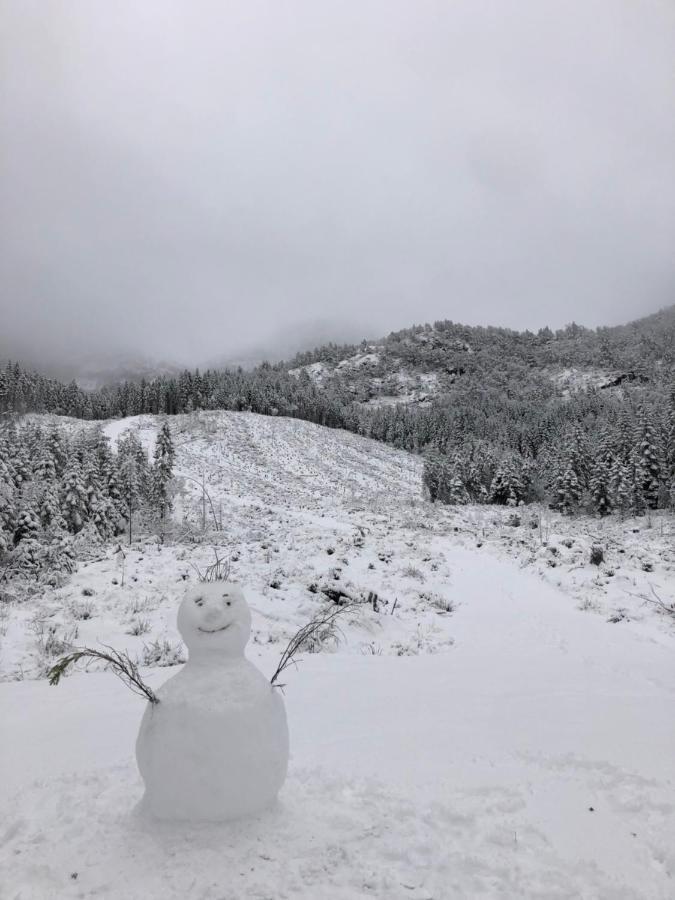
pixel 301 636
pixel 119 663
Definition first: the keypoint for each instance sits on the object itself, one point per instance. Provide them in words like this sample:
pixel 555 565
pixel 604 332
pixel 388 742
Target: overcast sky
pixel 191 180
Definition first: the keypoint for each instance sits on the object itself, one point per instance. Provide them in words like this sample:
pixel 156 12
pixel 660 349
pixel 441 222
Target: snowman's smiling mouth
pixel 213 630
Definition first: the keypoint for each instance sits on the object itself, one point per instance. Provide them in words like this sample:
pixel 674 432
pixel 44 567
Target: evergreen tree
pixel 6 506
pixel 92 484
pixel 105 517
pixel 670 442
pixel 28 525
pixel 27 557
pixel 60 555
pixel 74 497
pixel 648 468
pixel 432 474
pixel 455 491
pixel 601 478
pixel 567 492
pixel 162 472
pixel 49 507
pixel 44 466
pixel 130 487
pixel 55 446
pixel 507 486
pixel 21 468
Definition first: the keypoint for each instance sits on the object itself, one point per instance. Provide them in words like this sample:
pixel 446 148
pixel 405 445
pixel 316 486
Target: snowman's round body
pixel 215 747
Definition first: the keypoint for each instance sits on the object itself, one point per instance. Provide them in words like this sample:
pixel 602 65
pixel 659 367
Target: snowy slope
pixel 483 732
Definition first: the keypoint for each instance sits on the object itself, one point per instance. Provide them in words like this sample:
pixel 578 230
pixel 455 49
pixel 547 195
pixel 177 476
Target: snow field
pixel 481 730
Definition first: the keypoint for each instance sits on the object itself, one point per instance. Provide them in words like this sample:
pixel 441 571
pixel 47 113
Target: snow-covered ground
pixel 481 729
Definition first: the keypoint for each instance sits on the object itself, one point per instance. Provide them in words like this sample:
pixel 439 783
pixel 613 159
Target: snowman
pixel 215 746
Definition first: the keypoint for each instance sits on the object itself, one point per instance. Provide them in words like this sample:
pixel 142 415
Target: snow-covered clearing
pixel 481 730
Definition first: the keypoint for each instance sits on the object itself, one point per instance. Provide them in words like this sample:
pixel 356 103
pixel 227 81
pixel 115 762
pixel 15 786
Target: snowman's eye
pixel 229 603
pixel 199 601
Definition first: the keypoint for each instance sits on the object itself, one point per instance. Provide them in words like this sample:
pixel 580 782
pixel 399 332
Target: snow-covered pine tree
pixel 648 465
pixel 578 456
pixel 130 486
pixel 507 485
pixel 601 477
pixel 162 471
pixel 105 516
pixel 567 491
pixel 49 507
pixel 621 490
pixel 572 472
pixel 56 447
pixel 92 483
pixel 44 465
pixel 74 497
pixel 28 524
pixel 432 474
pixel 452 487
pixel 478 472
pixel 27 557
pixel 21 467
pixel 670 449
pixel 458 493
pixel 6 505
pixel 60 555
pixel 112 508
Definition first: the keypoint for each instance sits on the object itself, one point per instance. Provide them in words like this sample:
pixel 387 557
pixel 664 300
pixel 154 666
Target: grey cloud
pixel 193 181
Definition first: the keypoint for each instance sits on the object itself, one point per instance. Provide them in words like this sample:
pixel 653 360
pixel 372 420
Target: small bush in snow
pixel 162 653
pixel 82 609
pixel 50 643
pixel 589 605
pixel 139 627
pixel 371 649
pixel 597 554
pixel 441 603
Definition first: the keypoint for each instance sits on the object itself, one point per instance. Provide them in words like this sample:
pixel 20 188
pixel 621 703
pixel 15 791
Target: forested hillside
pixel 578 417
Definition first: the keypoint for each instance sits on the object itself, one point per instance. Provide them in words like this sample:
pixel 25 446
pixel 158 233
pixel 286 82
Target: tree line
pixel 501 433
pixel 56 488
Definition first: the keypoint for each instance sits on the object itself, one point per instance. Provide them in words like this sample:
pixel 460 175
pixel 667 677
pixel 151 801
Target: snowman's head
pixel 214 617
